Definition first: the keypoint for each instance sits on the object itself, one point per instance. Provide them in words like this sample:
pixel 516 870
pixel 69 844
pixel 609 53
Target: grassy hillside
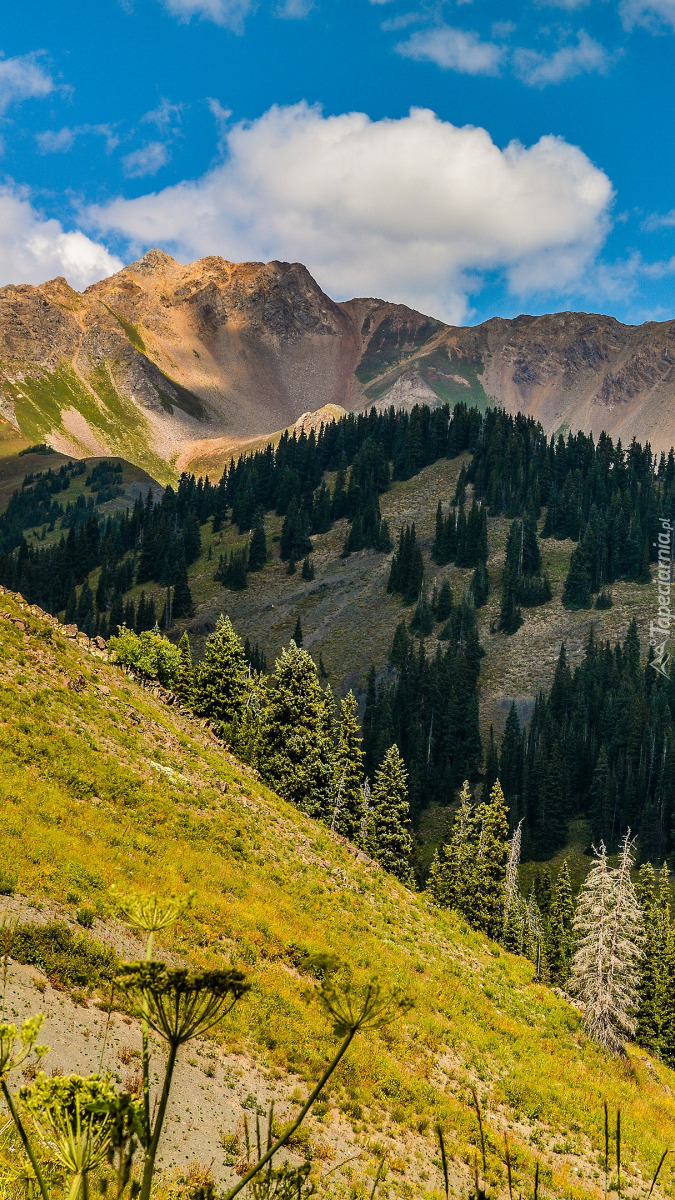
pixel 101 782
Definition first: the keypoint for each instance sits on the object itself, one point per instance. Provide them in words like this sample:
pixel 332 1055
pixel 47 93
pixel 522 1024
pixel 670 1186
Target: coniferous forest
pixel 600 743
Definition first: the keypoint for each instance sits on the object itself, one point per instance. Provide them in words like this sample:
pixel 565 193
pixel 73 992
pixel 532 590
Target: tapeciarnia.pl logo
pixel 659 630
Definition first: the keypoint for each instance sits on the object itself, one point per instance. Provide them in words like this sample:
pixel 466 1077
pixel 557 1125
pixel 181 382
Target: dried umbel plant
pixel 180 1004
pixel 76 1118
pixel 17 1044
pixel 149 914
pixel 15 1047
pixel 353 1009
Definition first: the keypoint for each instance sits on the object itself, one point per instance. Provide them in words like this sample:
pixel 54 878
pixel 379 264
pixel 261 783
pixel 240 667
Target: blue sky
pixel 469 158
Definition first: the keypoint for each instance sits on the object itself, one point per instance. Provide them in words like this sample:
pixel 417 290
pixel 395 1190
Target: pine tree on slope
pixel 560 925
pixel 389 839
pixel 347 782
pixel 451 877
pixel 489 893
pixel 221 682
pixel 296 748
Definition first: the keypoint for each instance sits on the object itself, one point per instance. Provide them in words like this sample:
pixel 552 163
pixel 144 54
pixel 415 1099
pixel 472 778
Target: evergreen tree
pixel 297 632
pixel 510 617
pixel 183 605
pixel 422 621
pixel 452 876
pixel 347 784
pixel 296 749
pixel 444 601
pixel 577 590
pixel 307 569
pixel 184 682
pixel 489 895
pixel 221 685
pixel 389 838
pixel 655 982
pixel 608 930
pixel 257 548
pixel 480 585
pixel 560 927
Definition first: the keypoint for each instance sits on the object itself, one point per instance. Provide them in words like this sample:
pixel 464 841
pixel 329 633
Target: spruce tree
pixel 297 632
pixel 560 926
pixel 221 683
pixel 307 569
pixel 257 549
pixel 451 881
pixel 296 749
pixel 347 784
pixel 183 605
pixel 489 895
pixel 389 838
pixel 577 590
pixel 444 601
pixel 184 682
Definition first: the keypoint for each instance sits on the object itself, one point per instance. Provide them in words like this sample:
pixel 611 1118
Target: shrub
pixel 7 883
pixel 149 653
pixel 72 959
pixel 86 916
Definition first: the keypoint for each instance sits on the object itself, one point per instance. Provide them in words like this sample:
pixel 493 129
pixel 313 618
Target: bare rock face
pixel 162 360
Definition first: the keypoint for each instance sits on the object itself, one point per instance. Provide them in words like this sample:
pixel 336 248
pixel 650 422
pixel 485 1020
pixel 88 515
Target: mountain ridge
pixel 160 359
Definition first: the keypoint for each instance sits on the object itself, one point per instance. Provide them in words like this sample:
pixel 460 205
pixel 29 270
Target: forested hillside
pixel 432 561
pixel 103 782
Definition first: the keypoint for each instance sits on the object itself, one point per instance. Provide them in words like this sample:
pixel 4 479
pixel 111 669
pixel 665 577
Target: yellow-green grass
pixel 101 783
pixel 11 440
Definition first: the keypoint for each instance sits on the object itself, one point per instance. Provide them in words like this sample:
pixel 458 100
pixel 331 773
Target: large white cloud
pixel 411 209
pixel 33 249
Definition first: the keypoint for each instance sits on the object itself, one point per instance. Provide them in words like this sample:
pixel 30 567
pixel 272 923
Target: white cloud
pixel 22 78
pixel 586 55
pixel 147 160
pixel 33 248
pixel 651 13
pixel 229 13
pixel 166 116
pixel 411 209
pixel 56 141
pixel 59 141
pixel 659 221
pixel 453 49
pixel 294 10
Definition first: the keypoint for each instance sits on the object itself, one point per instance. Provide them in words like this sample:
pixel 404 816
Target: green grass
pixel 132 331
pixel 39 404
pixel 107 785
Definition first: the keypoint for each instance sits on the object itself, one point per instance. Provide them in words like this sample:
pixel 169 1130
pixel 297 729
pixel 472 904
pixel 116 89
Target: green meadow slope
pixel 102 782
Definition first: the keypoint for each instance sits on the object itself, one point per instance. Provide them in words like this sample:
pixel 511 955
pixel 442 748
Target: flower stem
pixel 298 1120
pixel 24 1138
pixel 151 1151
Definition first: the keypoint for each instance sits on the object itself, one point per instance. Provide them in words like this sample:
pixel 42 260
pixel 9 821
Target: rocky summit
pixel 172 365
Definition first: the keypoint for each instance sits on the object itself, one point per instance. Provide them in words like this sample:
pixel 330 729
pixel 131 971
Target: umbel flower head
pixel 13 1054
pixel 353 1009
pixel 178 1003
pixel 150 913
pixel 75 1116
